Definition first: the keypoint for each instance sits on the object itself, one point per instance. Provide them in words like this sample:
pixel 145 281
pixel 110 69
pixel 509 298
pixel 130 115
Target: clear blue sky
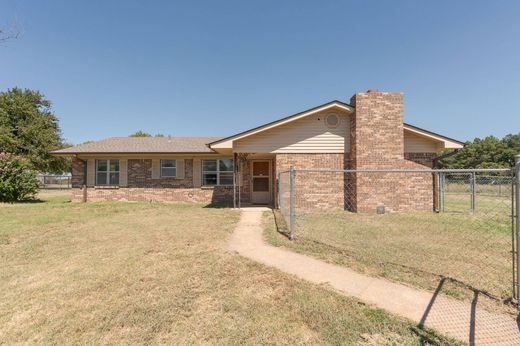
pixel 213 68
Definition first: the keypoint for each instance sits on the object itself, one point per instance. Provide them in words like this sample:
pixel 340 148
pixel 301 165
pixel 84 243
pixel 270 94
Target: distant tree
pixel 485 153
pixel 29 128
pixel 512 147
pixel 17 179
pixel 140 134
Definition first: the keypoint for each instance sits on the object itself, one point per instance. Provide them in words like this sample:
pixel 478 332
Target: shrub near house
pixel 17 179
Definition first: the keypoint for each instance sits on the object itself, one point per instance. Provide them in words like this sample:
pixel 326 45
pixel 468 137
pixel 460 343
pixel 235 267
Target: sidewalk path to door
pixel 461 320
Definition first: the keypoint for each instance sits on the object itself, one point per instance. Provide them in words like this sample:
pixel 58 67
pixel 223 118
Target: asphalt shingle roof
pixel 143 145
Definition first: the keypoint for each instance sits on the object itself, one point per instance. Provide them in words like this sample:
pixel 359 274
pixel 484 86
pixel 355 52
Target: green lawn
pixel 416 248
pixel 142 273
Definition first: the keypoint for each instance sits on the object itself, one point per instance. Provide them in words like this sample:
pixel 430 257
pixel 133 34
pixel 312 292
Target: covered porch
pixel 255 181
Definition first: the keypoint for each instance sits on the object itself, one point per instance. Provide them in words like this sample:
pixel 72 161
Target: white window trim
pixel 107 172
pixel 217 172
pixel 161 169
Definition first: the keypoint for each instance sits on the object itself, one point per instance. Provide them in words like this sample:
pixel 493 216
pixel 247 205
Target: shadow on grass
pixel 428 337
pixel 26 201
pixel 280 224
pixel 217 205
pixel 473 310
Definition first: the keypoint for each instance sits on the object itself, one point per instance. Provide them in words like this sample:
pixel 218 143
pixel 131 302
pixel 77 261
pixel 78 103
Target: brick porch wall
pixel 223 195
pixel 78 173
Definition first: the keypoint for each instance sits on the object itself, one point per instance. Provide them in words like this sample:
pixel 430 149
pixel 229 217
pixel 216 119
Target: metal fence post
pixel 442 186
pixel 292 201
pixel 473 191
pixel 517 223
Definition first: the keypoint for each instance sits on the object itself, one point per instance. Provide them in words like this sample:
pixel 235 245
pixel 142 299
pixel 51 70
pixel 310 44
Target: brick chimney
pixel 376 137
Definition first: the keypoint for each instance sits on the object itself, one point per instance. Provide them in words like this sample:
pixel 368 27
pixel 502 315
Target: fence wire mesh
pixel 415 227
pixel 51 181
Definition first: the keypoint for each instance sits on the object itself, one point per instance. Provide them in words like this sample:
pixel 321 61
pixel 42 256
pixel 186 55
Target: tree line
pixel 490 152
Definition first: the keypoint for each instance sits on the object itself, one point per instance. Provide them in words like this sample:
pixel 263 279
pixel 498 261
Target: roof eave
pixel 434 134
pixel 132 153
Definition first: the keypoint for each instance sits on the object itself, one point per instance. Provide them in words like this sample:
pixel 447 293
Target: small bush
pixel 17 179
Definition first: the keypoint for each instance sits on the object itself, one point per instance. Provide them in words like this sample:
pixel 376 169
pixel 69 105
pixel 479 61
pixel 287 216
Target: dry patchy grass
pixel 139 273
pixel 416 248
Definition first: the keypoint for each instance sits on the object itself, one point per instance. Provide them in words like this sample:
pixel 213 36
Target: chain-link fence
pixel 459 190
pixel 411 226
pixel 54 182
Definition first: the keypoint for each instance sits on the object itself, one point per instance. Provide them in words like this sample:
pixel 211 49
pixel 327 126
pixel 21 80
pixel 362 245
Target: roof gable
pixel 447 143
pixel 226 143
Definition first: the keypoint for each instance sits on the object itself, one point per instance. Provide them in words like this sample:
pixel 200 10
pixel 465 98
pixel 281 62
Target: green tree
pixel 140 133
pixel 29 128
pixel 489 152
pixel 17 179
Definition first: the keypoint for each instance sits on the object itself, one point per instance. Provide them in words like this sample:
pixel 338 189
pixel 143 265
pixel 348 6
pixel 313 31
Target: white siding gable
pixel 414 143
pixel 306 135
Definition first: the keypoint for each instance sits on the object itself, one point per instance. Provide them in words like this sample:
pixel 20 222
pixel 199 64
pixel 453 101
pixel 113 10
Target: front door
pixel 261 182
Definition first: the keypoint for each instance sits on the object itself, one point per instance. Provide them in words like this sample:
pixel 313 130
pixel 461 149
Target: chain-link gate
pixel 411 226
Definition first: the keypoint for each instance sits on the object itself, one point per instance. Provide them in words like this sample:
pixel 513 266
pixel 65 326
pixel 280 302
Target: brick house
pixel 368 133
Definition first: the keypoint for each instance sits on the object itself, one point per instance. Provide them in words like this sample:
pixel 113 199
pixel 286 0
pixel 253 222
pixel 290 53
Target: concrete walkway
pixel 460 320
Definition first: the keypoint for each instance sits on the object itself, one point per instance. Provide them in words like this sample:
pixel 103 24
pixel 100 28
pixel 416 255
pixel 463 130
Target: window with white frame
pixel 107 172
pixel 168 168
pixel 217 172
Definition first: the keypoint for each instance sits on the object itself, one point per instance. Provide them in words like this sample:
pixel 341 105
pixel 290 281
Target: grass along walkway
pixel 140 273
pixel 413 248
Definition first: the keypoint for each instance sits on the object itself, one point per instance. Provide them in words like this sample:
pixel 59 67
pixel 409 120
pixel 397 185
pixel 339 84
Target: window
pixel 169 168
pixel 107 172
pixel 217 172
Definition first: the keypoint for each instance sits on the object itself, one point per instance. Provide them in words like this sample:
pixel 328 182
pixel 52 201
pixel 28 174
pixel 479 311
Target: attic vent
pixel 332 120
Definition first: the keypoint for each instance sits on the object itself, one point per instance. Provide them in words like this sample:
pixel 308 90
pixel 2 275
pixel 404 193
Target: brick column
pixel 377 139
pixel 376 142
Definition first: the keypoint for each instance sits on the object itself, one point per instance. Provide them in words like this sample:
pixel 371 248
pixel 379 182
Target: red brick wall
pixel 339 190
pixel 378 137
pixel 315 189
pixel 220 195
pixel 425 159
pixel 377 142
pixel 141 186
pixel 310 161
pixel 140 175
